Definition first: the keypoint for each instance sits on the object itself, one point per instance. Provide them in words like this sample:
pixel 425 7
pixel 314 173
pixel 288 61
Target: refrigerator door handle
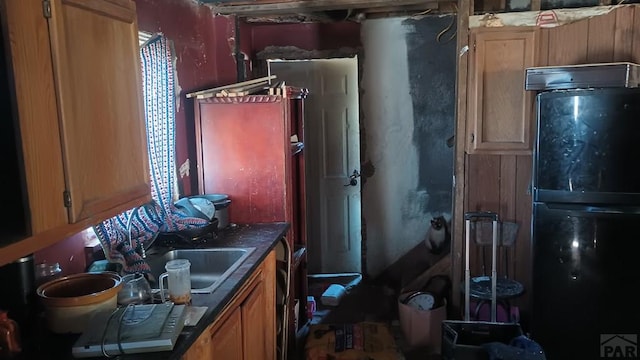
pixel 481 214
pixel 605 210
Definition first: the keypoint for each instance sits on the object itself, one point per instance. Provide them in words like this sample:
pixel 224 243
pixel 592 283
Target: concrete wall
pixel 408 114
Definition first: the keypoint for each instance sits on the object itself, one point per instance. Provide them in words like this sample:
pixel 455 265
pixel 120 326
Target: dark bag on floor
pixel 520 348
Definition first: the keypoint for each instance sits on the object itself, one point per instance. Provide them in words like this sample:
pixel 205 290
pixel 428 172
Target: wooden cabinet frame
pixel 77 95
pixel 249 320
pixel 500 113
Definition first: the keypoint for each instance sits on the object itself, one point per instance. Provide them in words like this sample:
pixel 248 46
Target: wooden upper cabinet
pixel 500 110
pixel 96 61
pixel 35 116
pixel 74 119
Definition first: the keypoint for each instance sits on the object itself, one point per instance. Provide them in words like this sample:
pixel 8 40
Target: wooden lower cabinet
pixel 226 342
pixel 246 328
pixel 254 339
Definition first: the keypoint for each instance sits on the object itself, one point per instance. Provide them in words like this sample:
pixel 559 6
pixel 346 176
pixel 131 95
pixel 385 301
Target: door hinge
pixel 67 198
pixel 46 8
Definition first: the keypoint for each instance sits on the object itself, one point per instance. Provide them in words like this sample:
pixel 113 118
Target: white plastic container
pixel 179 281
pixel 333 294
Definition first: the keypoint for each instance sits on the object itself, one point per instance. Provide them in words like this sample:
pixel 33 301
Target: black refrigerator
pixel 586 222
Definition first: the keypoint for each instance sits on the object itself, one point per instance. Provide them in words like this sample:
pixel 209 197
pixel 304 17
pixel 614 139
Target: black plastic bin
pixel 462 340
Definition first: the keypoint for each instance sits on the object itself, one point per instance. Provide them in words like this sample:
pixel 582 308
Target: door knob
pixel 353 178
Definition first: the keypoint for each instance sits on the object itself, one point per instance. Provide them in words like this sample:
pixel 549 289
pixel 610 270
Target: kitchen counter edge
pixel 263 237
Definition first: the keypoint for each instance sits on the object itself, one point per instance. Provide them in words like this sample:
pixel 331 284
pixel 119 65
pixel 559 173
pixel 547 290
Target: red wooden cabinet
pixel 251 148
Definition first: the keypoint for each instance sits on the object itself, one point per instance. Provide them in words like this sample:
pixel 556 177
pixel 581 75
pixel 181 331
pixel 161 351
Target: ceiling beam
pixel 431 5
pixel 297 6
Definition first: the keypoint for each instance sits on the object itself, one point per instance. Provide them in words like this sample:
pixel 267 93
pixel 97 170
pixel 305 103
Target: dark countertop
pixel 263 237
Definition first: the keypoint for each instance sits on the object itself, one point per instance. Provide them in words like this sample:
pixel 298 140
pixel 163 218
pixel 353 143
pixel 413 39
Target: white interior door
pixel 332 154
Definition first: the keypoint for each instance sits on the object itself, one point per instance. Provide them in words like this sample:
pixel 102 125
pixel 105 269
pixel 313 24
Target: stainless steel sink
pixel 209 267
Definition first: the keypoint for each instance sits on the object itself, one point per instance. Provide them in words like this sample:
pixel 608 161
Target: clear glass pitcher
pixel 178 277
pixel 135 290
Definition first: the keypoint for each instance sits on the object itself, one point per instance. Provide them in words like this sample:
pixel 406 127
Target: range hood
pixel 599 75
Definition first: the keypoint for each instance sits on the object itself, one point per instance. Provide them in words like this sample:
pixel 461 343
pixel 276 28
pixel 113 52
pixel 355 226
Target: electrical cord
pixel 445 30
pixel 119 336
pixel 103 342
pixel 417 15
pixel 104 335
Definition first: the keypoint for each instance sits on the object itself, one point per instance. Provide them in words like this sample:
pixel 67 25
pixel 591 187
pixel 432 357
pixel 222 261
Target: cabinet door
pixel 222 341
pixel 201 348
pixel 246 156
pixel 226 342
pixel 36 112
pixel 254 324
pixel 500 110
pixel 249 331
pixel 258 314
pixel 96 61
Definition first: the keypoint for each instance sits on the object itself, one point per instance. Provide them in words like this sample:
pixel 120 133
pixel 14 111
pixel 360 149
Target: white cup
pixel 178 276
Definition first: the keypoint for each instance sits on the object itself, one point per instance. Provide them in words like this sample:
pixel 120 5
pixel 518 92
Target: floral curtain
pixel 142 224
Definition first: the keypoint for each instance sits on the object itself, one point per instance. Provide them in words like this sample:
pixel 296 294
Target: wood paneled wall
pixel 502 183
pixel 606 38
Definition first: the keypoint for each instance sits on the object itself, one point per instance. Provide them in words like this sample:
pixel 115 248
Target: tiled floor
pixel 366 301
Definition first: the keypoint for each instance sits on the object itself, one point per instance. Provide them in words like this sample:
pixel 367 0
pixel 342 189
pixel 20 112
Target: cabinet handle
pixel 46 8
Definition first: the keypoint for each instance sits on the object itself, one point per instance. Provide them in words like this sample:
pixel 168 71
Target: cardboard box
pixel 421 327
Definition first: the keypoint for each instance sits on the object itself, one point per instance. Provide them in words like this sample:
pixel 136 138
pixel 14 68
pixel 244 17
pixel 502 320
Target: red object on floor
pixel 311 306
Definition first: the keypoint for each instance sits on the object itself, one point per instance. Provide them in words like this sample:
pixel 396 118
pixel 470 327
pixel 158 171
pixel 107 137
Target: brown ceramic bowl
pixel 71 300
